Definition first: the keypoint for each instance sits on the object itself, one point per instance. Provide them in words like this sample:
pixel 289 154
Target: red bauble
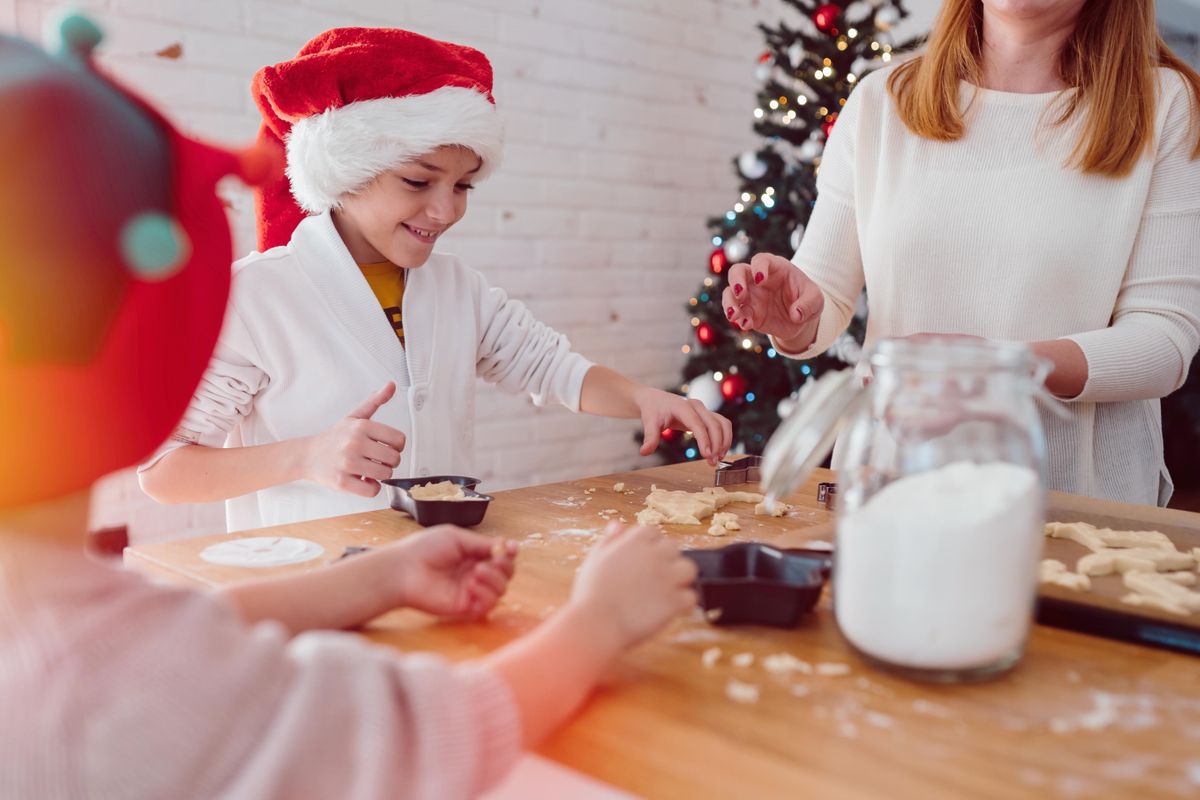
pixel 733 387
pixel 827 126
pixel 705 334
pixel 718 261
pixel 825 16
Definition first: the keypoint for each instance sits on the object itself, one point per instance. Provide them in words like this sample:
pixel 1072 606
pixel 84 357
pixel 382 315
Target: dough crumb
pixel 743 660
pixel 740 692
pixel 832 670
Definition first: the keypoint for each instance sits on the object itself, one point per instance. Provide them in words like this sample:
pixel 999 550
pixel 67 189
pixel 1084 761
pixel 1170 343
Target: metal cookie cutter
pixel 747 469
pixel 827 495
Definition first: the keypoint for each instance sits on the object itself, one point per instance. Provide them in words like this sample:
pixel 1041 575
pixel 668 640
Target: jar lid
pixel 806 437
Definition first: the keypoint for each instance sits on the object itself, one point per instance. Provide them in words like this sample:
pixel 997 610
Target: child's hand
pixel 357 453
pixel 632 584
pixel 661 410
pixel 452 573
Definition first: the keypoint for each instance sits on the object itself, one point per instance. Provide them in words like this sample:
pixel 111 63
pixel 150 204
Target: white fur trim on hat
pixel 341 150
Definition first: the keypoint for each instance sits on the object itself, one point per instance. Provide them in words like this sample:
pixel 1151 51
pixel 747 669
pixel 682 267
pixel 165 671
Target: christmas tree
pixel 808 70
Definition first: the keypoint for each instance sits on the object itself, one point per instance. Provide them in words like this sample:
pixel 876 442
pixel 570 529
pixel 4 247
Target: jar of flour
pixel 941 501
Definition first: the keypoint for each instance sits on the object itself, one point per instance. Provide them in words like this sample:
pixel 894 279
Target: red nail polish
pixel 729 313
pixel 759 277
pixel 737 288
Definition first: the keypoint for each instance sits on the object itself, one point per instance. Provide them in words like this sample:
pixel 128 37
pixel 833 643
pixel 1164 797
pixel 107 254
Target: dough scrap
pixel 742 660
pixel 1145 601
pixel 1056 572
pixel 782 663
pixel 740 692
pixel 1133 559
pixel 832 669
pixel 1182 578
pixel 722 523
pixel 1097 539
pixel 778 510
pixel 1152 586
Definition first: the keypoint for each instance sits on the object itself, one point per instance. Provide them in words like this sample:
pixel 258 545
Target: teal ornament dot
pixel 78 34
pixel 153 246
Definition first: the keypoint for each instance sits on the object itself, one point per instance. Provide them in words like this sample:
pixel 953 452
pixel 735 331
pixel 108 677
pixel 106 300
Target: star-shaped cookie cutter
pixel 747 469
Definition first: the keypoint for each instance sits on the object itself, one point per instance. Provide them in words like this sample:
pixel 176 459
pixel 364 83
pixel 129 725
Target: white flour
pixel 939 569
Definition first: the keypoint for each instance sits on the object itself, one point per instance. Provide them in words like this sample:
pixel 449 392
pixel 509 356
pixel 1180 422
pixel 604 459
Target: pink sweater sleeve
pixel 125 689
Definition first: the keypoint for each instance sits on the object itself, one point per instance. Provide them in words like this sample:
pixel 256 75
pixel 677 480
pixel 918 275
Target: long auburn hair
pixel 1110 59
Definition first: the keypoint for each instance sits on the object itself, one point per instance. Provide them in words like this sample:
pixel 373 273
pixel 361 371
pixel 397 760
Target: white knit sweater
pixel 994 236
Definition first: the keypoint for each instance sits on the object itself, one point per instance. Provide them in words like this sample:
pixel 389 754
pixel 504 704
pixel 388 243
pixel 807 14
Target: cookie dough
pixel 722 523
pixel 1097 539
pixel 1133 559
pixel 1056 572
pixel 446 490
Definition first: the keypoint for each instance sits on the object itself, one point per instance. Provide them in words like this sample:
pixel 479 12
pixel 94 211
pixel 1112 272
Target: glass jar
pixel 941 502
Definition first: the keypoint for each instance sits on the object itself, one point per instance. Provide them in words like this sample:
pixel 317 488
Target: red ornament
pixel 705 334
pixel 825 16
pixel 733 387
pixel 765 57
pixel 827 126
pixel 718 261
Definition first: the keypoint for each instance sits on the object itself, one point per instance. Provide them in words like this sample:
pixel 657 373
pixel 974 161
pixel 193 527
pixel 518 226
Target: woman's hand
pixel 661 410
pixel 773 296
pixel 357 453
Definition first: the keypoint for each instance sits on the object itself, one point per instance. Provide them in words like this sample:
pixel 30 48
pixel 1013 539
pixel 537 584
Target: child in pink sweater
pixel 114 274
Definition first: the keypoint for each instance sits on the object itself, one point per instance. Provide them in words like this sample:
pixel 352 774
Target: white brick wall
pixel 622 117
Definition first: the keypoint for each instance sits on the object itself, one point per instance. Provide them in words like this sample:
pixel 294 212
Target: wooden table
pixel 1080 717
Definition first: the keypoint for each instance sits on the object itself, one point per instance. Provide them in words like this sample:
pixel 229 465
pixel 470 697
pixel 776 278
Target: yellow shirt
pixel 387 282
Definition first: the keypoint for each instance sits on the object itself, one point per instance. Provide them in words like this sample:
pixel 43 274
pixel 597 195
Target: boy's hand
pixel 451 572
pixel 357 453
pixel 631 585
pixel 661 410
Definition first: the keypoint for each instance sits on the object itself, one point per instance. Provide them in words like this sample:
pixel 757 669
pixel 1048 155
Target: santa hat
pixel 356 102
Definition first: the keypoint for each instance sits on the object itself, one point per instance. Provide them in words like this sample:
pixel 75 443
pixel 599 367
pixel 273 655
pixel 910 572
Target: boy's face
pixel 401 213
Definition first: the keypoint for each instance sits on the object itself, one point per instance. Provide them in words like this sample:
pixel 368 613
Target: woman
pixel 1033 176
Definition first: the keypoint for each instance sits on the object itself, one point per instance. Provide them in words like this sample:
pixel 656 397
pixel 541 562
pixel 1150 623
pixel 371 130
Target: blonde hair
pixel 1110 60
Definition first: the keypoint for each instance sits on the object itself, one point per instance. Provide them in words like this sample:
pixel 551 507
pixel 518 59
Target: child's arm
pixel 444 571
pixel 521 354
pixel 608 393
pixel 632 584
pixel 352 456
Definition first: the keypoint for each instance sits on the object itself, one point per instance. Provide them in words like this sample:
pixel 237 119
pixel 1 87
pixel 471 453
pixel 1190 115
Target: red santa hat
pixel 356 102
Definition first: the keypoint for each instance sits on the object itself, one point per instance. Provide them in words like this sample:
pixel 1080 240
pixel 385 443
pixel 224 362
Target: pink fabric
pixel 113 687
